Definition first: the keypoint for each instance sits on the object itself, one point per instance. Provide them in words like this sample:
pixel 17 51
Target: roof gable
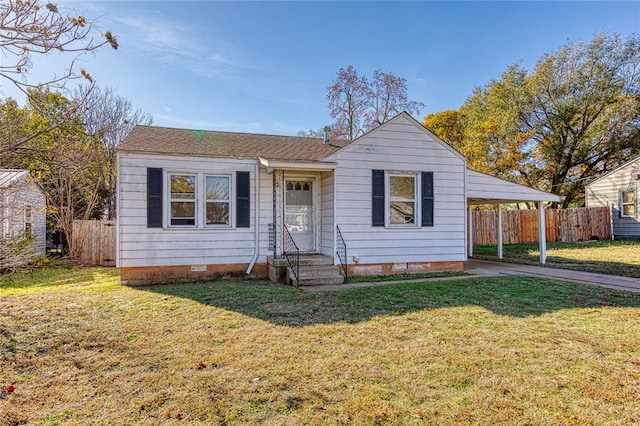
pixel 405 116
pixel 616 170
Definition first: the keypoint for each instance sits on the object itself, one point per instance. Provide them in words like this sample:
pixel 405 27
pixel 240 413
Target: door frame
pixel 315 191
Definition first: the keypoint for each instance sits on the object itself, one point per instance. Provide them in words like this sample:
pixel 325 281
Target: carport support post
pixel 499 231
pixel 542 234
pixel 470 232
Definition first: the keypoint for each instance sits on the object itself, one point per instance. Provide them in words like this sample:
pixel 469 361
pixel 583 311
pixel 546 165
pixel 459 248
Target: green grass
pixel 620 257
pixel 402 277
pixel 81 349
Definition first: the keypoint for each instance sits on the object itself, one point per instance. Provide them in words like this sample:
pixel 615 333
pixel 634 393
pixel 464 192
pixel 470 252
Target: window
pixel 402 199
pixel 628 203
pixel 183 199
pixel 198 200
pixel 28 221
pixel 217 200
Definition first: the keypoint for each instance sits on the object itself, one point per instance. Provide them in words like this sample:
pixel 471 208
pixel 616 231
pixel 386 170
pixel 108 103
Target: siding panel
pixel 605 192
pixel 142 246
pixel 400 147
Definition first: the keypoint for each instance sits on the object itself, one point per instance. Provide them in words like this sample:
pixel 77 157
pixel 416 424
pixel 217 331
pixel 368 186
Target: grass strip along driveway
pixel 78 348
pixel 619 257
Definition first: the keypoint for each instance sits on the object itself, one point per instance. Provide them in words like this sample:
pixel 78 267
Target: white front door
pixel 299 214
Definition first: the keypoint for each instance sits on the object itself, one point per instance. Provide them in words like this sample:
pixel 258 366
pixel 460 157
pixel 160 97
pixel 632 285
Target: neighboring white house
pixel 22 208
pixel 618 190
pixel 197 204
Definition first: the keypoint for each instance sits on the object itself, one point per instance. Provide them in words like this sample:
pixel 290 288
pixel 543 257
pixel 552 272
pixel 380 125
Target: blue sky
pixel 264 67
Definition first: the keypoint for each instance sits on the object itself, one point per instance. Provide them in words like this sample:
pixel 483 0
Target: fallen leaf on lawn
pixel 10 389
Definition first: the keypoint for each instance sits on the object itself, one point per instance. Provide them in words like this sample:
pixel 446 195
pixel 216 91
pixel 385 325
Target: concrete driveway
pixel 478 268
pixel 485 267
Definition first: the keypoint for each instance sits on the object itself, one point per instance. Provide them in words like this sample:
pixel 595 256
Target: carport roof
pixel 486 189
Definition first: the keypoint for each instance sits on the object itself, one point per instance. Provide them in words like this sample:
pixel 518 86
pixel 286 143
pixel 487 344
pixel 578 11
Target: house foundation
pixel 147 275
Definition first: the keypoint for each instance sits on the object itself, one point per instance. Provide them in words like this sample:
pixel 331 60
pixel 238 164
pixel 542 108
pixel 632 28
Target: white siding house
pixel 195 204
pixel 22 208
pixel 618 190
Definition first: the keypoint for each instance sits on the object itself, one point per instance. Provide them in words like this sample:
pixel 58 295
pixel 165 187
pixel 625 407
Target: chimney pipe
pixel 326 130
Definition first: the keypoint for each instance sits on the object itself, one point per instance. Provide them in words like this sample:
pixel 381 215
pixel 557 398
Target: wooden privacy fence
pixel 521 226
pixel 95 241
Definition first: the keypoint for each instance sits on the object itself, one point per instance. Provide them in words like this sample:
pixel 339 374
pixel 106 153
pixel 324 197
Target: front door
pixel 299 215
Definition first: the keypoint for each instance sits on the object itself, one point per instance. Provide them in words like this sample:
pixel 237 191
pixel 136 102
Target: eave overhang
pixel 272 165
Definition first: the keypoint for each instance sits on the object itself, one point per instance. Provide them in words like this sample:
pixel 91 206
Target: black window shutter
pixel 154 198
pixel 427 198
pixel 377 192
pixel 242 200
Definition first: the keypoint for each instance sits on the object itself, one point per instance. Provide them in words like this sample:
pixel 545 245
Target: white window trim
pixel 200 200
pixel 179 200
pixel 417 200
pixel 635 203
pixel 231 223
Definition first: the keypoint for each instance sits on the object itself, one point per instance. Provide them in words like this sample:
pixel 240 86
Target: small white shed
pixel 22 208
pixel 618 190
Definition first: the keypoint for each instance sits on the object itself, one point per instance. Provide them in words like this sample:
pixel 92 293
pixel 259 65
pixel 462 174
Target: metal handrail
pixel 341 251
pixel 292 254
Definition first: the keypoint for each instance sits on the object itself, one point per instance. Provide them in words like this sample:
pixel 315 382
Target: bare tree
pixel 359 105
pixel 349 97
pixel 388 97
pixel 71 183
pixel 28 28
pixel 107 119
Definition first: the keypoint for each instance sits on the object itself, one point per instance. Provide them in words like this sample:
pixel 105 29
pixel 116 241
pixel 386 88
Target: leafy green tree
pixel 582 109
pixel 574 117
pixel 447 125
pixel 63 159
pixel 30 28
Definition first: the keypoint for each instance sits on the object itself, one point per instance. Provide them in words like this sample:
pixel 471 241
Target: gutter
pixel 257 221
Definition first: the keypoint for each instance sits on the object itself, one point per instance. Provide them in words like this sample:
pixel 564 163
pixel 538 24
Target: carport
pixel 485 189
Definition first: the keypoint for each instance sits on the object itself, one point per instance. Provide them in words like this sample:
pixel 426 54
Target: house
pixel 199 204
pixel 618 190
pixel 22 208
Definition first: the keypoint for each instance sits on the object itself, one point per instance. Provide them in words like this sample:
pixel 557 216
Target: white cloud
pixel 166 108
pixel 179 44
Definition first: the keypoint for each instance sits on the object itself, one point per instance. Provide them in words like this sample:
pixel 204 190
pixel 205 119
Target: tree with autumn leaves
pixel 30 28
pixel 575 116
pixel 65 137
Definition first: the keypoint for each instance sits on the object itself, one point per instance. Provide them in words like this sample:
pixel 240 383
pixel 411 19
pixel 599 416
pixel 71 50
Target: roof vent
pixel 326 130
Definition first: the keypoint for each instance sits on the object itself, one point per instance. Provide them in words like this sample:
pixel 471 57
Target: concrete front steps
pixel 316 270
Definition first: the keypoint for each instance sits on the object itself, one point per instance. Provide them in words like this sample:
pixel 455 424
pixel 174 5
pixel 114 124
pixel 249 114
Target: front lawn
pixel 78 348
pixel 620 257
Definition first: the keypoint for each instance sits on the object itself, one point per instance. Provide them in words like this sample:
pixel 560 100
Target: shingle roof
pixel 10 176
pixel 164 140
